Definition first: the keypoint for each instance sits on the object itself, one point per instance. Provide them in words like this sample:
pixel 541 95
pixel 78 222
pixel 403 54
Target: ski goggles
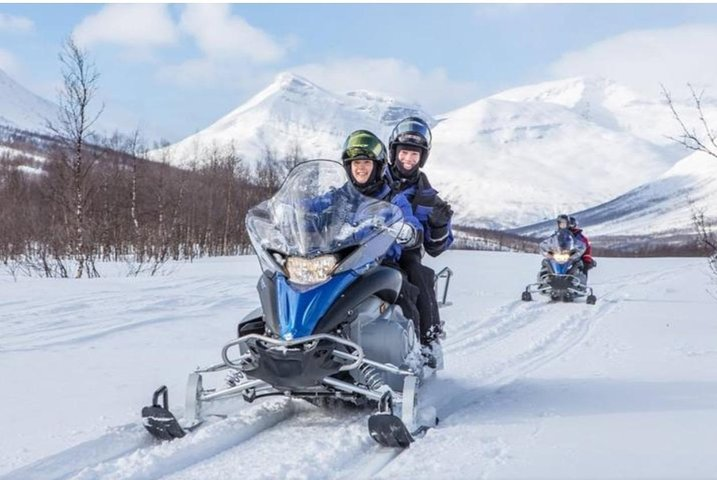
pixel 363 145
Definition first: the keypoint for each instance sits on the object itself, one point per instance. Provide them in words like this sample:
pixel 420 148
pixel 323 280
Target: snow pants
pixel 422 277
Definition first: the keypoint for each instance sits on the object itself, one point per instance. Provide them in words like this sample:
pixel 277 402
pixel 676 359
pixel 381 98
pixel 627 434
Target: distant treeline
pixel 471 238
pixel 121 206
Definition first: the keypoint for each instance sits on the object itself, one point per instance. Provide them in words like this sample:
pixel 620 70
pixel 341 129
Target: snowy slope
pixel 623 389
pixel 20 108
pixel 662 207
pixel 293 111
pixel 509 163
pixel 614 106
pixel 13 153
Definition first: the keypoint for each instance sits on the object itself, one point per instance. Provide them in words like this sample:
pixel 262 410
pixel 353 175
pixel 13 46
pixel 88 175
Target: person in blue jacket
pixel 364 157
pixel 409 147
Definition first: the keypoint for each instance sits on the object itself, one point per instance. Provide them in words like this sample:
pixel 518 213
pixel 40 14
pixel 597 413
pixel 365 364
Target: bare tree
pixel 74 128
pixel 707 142
pixel 706 236
pixel 294 155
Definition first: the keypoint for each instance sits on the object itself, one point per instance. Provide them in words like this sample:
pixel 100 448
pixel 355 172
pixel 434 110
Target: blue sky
pixel 181 67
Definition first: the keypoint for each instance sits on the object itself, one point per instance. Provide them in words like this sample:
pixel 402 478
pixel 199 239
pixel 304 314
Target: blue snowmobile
pixel 328 326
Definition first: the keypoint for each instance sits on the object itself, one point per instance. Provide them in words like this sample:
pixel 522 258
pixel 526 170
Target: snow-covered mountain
pixel 507 160
pixel 661 208
pixel 22 109
pixel 614 106
pixel 292 112
pixel 526 154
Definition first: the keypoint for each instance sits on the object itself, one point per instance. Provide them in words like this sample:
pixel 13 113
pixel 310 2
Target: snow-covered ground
pixel 623 389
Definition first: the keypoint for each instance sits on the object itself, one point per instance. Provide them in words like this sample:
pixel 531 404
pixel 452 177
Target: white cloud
pixel 221 35
pixel 8 63
pixel 241 58
pixel 433 89
pixel 12 23
pixel 644 59
pixel 137 26
pixel 236 55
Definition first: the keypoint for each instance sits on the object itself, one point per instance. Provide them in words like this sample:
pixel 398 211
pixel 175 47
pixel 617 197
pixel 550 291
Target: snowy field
pixel 623 389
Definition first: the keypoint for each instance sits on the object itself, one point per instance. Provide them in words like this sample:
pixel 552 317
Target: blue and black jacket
pixel 399 199
pixel 423 198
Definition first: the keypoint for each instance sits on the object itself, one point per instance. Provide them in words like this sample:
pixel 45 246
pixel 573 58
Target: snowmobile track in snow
pixel 508 320
pixel 131 453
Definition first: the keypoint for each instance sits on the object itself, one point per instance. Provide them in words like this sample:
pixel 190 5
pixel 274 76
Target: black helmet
pixel 563 221
pixel 364 145
pixel 410 132
pixel 573 222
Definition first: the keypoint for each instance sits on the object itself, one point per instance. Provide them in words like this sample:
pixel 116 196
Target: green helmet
pixel 364 145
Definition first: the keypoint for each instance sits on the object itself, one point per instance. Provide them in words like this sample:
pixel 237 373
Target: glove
pixel 441 215
pixel 407 235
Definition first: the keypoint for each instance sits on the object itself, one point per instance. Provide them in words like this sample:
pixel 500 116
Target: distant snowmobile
pixel 328 326
pixel 561 276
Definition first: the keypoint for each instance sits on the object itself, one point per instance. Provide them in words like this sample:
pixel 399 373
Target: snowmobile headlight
pixel 308 271
pixel 561 257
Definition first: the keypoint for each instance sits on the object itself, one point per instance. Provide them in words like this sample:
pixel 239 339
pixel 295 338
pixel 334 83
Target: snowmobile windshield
pixel 565 240
pixel 562 242
pixel 318 211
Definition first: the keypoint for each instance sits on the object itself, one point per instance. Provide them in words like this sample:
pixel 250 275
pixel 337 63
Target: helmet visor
pixel 362 145
pixel 413 132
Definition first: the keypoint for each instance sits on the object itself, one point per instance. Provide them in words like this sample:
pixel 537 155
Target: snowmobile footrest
pixel 388 430
pixel 159 421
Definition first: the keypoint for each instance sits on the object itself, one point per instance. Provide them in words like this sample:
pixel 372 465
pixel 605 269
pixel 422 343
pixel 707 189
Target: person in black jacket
pixel 408 148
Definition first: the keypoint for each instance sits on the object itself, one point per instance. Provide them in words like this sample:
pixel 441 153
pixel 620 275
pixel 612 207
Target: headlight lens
pixel 561 257
pixel 308 271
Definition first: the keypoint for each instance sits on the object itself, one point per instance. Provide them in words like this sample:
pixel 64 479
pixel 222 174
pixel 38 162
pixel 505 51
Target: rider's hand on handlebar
pixel 406 235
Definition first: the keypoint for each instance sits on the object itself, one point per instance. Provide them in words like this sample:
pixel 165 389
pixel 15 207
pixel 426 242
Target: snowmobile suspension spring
pixel 371 376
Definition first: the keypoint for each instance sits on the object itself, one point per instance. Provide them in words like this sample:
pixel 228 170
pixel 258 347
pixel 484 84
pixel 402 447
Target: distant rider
pixel 562 239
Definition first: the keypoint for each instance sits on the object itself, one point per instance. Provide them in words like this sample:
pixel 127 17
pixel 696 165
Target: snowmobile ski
pixel 389 431
pixel 158 420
